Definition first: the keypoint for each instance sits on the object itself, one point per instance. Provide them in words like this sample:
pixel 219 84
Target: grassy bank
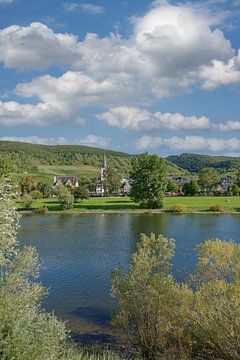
pixel 227 204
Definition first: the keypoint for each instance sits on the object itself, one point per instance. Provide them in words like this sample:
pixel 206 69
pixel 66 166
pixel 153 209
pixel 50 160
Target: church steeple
pixel 104 168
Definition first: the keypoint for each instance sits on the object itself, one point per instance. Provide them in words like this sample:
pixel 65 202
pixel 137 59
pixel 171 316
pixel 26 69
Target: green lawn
pixel 124 203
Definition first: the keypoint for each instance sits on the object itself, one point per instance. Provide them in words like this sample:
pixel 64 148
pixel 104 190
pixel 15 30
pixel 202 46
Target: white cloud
pixel 228 126
pixel 170 49
pixel 189 143
pixel 6 2
pixel 221 73
pixel 36 140
pixel 94 140
pixel 85 7
pixel 89 140
pixel 133 118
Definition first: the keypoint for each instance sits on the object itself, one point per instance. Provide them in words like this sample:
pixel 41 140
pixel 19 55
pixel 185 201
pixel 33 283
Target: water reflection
pixel 80 252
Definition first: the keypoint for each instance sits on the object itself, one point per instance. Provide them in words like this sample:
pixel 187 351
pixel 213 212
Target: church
pixel 100 190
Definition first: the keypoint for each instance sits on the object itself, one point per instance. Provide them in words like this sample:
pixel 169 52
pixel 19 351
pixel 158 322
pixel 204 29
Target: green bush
pixel 42 210
pixel 216 207
pixel 27 201
pixel 179 208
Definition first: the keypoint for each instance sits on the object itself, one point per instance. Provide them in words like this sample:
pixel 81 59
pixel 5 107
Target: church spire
pixel 104 168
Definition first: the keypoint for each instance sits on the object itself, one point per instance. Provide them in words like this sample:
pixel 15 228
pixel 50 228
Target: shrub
pixel 65 197
pixel 42 210
pixel 179 208
pixel 27 201
pixel 36 194
pixel 216 207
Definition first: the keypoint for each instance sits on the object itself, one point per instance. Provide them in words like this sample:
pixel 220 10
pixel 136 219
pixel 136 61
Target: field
pixel 125 204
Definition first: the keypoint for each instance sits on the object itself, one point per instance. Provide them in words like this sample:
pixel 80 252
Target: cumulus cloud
pixel 189 143
pixel 36 140
pixel 133 118
pixel 85 7
pixel 171 48
pixel 221 73
pixel 94 140
pixel 90 140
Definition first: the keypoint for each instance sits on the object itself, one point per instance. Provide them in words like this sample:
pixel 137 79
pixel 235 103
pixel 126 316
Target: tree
pixel 7 165
pixel 113 182
pixel 148 180
pixel 27 201
pixel 36 195
pixel 27 184
pixel 212 319
pixel 208 179
pixel 81 193
pixel 172 187
pixel 26 330
pixel 146 296
pixel 65 197
pixel 234 190
pixel 191 189
pixel 45 189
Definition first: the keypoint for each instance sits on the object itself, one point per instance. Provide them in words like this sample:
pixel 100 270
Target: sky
pixel 128 75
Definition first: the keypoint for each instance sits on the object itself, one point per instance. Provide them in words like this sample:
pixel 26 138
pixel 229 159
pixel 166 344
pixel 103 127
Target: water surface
pixel 80 252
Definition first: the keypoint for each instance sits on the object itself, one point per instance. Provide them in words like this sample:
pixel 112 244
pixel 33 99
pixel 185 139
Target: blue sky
pixel 130 75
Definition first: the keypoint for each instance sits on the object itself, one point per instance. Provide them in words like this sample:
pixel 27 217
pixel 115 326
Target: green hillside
pixel 194 162
pixel 42 162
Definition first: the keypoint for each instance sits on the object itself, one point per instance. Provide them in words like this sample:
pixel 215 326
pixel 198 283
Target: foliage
pixel 42 210
pixel 36 194
pixel 7 165
pixel 195 162
pixel 216 207
pixel 81 193
pixel 45 189
pixel 147 295
pixel 27 184
pixel 166 320
pixel 27 201
pixel 234 190
pixel 191 189
pixel 148 180
pixel 113 182
pixel 26 331
pixel 208 179
pixel 172 187
pixel 179 208
pixel 65 197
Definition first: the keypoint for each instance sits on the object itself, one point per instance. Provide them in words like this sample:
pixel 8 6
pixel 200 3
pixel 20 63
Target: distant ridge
pixel 195 162
pixel 44 161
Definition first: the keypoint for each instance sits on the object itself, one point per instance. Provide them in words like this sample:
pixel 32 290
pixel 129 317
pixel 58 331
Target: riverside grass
pixel 124 204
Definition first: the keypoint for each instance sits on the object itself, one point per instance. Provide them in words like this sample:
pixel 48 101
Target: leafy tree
pixel 26 331
pixel 146 296
pixel 172 187
pixel 27 201
pixel 148 180
pixel 191 189
pixel 45 189
pixel 113 182
pixel 212 319
pixel 65 197
pixel 7 165
pixel 81 193
pixel 208 179
pixel 27 184
pixel 234 190
pixel 36 194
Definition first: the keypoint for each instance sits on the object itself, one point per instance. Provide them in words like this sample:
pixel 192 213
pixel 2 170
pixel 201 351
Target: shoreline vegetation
pixel 184 205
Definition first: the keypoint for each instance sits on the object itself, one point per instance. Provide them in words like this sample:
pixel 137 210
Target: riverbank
pixel 228 204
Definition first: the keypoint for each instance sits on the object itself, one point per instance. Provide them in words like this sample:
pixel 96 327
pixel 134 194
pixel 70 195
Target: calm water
pixel 79 253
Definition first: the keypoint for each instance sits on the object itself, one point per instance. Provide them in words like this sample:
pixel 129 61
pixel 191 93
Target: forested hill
pixel 195 162
pixel 45 161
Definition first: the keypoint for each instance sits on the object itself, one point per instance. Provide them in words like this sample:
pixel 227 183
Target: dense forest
pixel 194 162
pixel 45 161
